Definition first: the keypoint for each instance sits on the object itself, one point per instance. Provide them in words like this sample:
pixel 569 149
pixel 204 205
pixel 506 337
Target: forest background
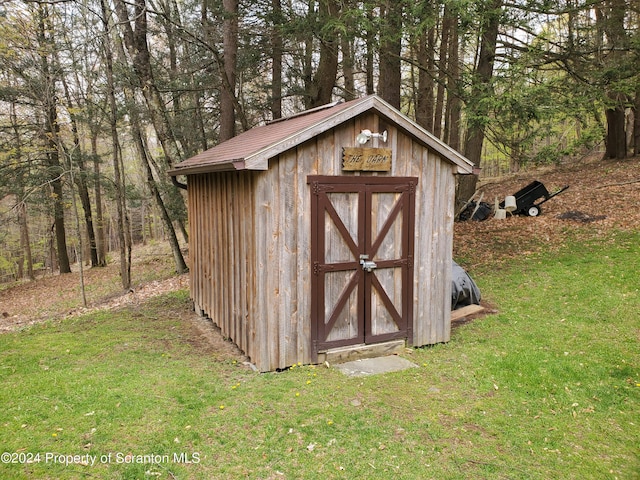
pixel 99 98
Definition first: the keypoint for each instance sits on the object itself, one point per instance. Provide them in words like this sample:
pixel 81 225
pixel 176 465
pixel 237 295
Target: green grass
pixel 547 388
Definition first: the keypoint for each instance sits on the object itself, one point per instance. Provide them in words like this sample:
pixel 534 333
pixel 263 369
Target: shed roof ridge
pixel 273 147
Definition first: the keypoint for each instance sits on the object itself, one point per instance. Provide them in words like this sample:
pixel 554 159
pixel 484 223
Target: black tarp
pixel 464 290
pixel 482 212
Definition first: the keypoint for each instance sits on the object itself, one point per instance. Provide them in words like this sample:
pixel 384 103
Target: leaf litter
pixel 603 196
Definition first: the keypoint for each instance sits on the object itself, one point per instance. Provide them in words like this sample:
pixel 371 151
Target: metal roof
pixel 251 150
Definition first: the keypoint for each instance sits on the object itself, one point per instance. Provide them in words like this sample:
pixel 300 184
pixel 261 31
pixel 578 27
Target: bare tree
pixel 136 43
pixel 276 58
pixel 425 59
pixel 123 238
pixel 610 19
pixel 51 135
pixel 230 58
pixel 320 86
pixel 390 78
pixel 481 90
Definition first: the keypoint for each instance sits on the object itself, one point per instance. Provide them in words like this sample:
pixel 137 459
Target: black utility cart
pixel 527 197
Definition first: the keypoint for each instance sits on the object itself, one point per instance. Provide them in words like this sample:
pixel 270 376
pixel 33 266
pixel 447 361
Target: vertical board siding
pixel 438 256
pixel 245 234
pixel 194 242
pixel 430 242
pixel 265 292
pixel 306 164
pixel 449 216
pixel 282 231
pixel 289 315
pixel 220 217
pixel 433 237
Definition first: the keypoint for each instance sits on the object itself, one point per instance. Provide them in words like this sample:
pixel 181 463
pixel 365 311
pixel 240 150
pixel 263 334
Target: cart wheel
pixel 533 211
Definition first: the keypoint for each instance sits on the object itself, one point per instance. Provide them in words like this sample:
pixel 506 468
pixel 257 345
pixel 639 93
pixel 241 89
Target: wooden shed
pixel 327 231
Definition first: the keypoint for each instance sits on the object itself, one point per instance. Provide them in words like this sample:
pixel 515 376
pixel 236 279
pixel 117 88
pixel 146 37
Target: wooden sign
pixel 366 159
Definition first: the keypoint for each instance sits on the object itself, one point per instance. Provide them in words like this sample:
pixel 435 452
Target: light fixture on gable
pixel 365 135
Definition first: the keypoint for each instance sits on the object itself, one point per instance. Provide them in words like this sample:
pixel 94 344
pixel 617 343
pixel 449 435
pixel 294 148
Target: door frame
pixel 322 183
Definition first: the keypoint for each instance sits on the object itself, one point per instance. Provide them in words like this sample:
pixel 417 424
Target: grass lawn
pixel 548 388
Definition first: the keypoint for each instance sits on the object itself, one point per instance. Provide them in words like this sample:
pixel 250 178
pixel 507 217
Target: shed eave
pixel 227 166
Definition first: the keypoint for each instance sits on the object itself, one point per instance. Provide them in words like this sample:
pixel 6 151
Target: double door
pixel 362 260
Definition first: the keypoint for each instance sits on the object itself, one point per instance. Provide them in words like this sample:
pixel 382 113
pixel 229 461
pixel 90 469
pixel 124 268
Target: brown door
pixel 362 260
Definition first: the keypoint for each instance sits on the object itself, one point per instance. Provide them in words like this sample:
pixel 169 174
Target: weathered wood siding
pixel 222 252
pixel 250 244
pixel 433 241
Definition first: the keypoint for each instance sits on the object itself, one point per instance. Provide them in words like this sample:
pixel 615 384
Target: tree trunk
pixel 197 97
pixel 125 264
pixel 126 221
pixel 370 39
pixel 83 192
pixel 390 48
pixel 442 71
pixel 347 49
pixel 146 163
pixel 276 59
pixel 616 141
pixel 51 135
pixel 58 209
pixel 181 266
pixel 21 209
pixel 636 122
pixel 481 86
pixel 183 118
pixel 101 242
pixel 136 43
pixel 80 179
pixel 80 249
pixel 307 62
pixel 348 70
pixel 325 78
pixel 230 55
pixel 425 103
pixel 612 22
pixel 454 106
pixel 53 256
pixel 477 115
pixel 25 244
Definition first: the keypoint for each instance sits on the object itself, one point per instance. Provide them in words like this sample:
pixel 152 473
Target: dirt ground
pixel 602 195
pixel 57 296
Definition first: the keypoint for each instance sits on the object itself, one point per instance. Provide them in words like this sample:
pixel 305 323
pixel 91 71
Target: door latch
pixel 367 265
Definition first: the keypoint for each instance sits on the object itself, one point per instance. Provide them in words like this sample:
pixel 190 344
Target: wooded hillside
pixel 99 98
pixel 600 200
